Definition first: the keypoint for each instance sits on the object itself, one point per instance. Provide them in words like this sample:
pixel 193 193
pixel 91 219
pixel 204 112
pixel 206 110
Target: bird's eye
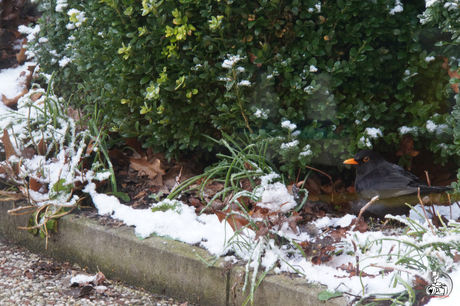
pixel 366 159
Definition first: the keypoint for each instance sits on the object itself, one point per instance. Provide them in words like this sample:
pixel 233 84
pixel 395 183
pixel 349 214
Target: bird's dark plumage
pixel 394 185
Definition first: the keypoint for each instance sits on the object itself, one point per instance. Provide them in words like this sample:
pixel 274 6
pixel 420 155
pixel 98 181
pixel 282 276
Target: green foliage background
pixel 348 74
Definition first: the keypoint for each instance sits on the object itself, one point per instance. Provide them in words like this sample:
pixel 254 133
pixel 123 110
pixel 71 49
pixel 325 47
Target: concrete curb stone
pixel 161 265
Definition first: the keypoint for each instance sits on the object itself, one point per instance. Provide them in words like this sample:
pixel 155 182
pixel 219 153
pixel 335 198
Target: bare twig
pixel 12 211
pixel 427 178
pixel 330 179
pixel 10 196
pixel 362 210
pixel 424 211
pixel 298 174
pixel 357 256
pixel 384 224
pixel 408 271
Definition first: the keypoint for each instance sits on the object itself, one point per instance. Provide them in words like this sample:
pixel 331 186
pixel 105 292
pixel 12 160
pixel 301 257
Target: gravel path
pixel 32 279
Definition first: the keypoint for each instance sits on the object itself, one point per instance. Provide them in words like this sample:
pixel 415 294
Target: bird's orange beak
pixel 350 161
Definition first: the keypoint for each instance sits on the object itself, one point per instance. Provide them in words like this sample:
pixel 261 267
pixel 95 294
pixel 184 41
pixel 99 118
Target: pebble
pixel 23 281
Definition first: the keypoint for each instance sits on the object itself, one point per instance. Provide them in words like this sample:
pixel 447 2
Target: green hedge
pixel 314 77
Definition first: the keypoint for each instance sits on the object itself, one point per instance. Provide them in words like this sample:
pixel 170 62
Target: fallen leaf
pixel 247 165
pixel 34 97
pixel 21 56
pixel 351 189
pixel 13 101
pixel 262 232
pixel 74 114
pixel 9 149
pixel 457 257
pixel 136 145
pixel 41 147
pixel 100 278
pixel 452 74
pixel 89 148
pixel 312 186
pixel 361 226
pixel 29 275
pixel 28 152
pixel 347 267
pixel 140 194
pixel 151 169
pixel 237 222
pixel 406 146
pixel 419 283
pixel 34 184
pixel 252 58
pixel 317 260
pixel 292 221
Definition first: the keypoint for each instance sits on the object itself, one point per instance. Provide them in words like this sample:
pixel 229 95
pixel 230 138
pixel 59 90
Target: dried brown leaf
pixel 13 101
pixel 312 186
pixel 28 152
pixel 34 184
pixel 151 169
pixel 407 146
pixel 41 147
pixel 237 222
pixel 361 226
pixel 140 194
pixel 100 278
pixel 89 148
pixel 247 166
pixel 262 232
pixel 9 149
pixel 292 221
pixel 21 56
pixel 252 58
pixel 136 145
pixel 74 114
pixel 457 257
pixel 452 74
pixel 34 97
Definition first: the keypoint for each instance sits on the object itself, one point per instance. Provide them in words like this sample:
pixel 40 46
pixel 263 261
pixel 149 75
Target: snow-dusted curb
pixel 163 266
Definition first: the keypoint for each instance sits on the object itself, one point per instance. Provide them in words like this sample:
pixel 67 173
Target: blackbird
pixel 394 185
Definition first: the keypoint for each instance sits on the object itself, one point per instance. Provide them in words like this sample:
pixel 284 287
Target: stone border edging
pixel 160 265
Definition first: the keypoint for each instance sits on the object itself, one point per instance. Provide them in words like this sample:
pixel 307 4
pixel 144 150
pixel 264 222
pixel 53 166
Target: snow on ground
pixel 10 81
pixel 181 223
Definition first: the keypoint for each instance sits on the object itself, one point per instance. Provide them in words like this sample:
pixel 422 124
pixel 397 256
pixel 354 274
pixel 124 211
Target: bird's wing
pixel 388 182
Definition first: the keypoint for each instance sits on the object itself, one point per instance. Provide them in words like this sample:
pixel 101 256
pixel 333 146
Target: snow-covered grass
pixel 394 260
pixel 44 151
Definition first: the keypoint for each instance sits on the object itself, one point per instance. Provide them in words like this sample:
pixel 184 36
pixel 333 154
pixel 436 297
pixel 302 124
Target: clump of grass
pixel 252 237
pixel 421 250
pixel 47 158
